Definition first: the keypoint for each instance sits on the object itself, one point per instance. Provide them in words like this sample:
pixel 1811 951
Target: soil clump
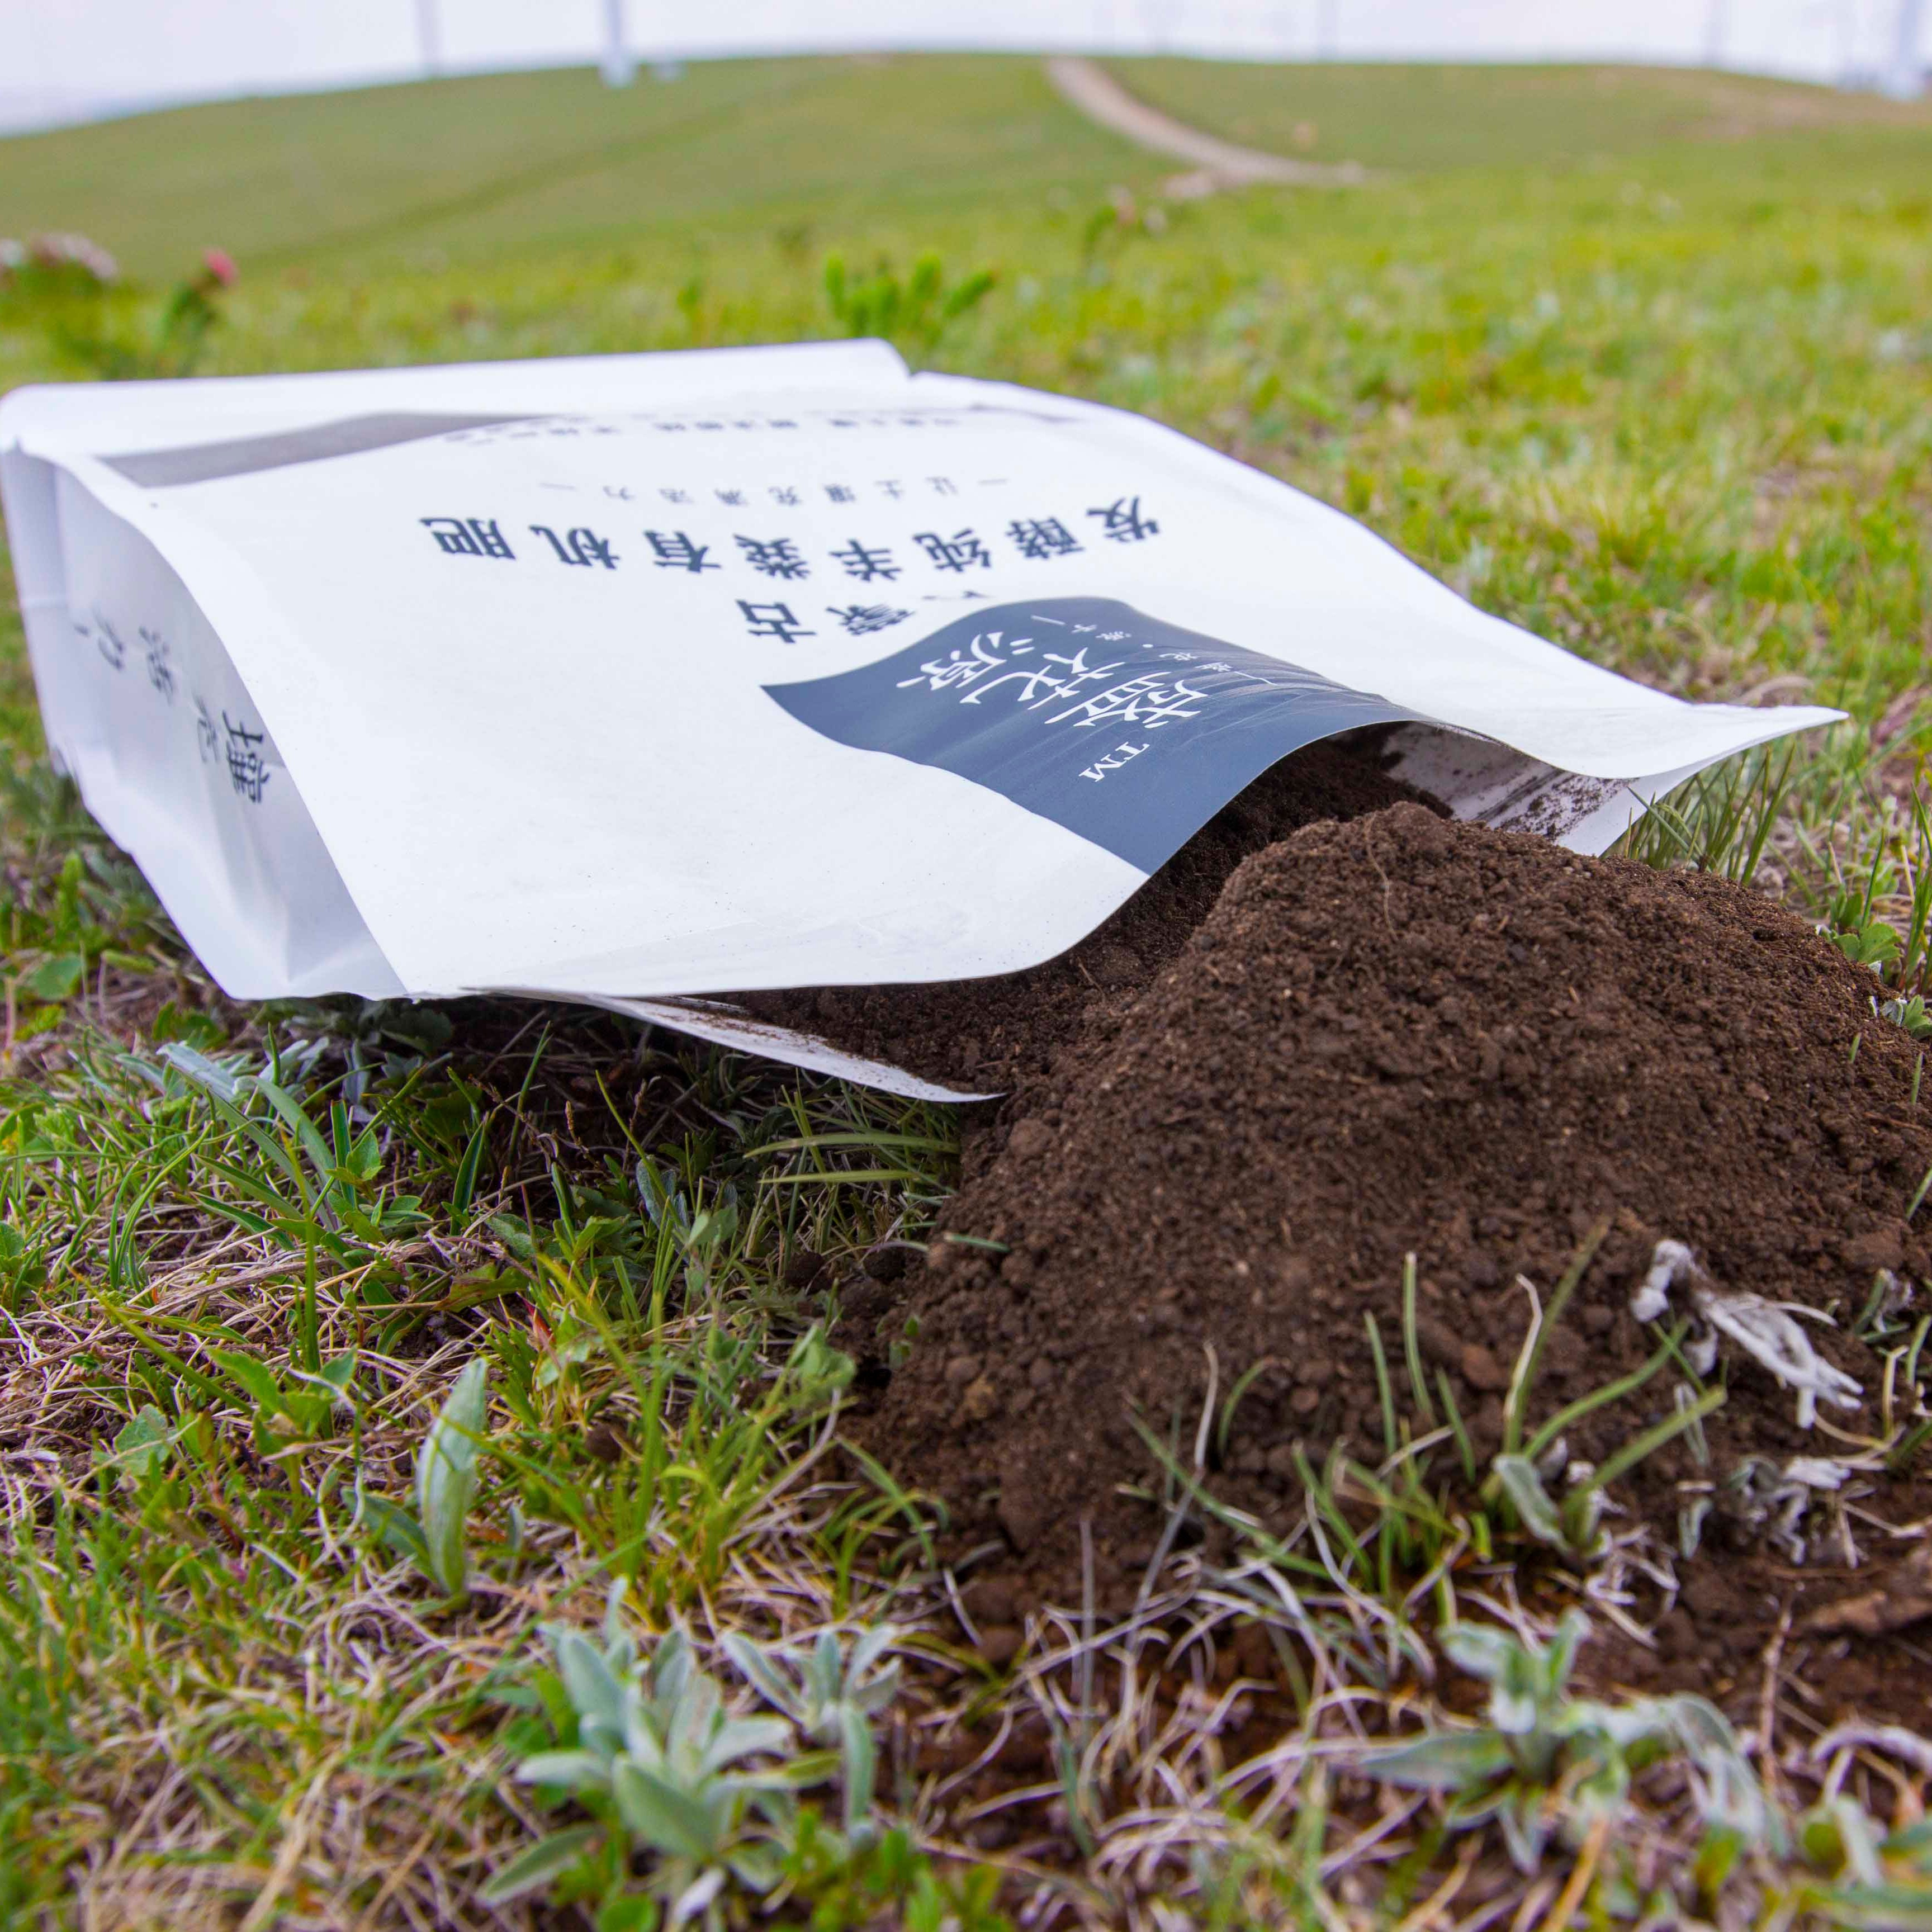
pixel 1400 1035
pixel 993 1034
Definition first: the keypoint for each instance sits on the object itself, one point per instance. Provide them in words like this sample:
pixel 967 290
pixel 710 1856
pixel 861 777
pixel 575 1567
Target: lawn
pixel 1643 363
pixel 1431 119
pixel 489 171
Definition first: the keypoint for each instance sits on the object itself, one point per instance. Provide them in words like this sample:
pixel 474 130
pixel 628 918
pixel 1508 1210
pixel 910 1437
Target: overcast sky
pixel 61 56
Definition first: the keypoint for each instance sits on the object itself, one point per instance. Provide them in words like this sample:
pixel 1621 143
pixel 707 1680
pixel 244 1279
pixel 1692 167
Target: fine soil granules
pixel 1393 1035
pixel 992 1035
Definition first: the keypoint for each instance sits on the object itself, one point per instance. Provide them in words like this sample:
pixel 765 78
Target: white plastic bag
pixel 637 677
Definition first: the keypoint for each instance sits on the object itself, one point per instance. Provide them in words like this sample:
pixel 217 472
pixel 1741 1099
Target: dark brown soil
pixel 993 1034
pixel 1391 1035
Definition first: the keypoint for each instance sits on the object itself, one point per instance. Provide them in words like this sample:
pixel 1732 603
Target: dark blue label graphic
pixel 1131 732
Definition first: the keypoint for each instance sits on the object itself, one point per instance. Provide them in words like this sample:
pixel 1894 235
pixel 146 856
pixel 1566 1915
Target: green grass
pixel 1676 413
pixel 1433 118
pixel 475 171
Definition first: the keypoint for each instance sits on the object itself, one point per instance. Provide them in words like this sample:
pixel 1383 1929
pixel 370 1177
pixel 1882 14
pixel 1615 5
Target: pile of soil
pixel 1390 1035
pixel 993 1034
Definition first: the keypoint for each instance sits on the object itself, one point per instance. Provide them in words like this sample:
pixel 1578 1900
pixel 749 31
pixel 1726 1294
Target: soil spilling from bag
pixel 1391 1036
pixel 992 1035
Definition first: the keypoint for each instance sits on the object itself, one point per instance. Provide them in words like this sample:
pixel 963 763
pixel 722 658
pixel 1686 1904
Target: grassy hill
pixel 1413 118
pixel 476 169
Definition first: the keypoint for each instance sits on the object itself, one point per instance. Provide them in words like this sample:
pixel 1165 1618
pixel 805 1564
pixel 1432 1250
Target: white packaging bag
pixel 633 679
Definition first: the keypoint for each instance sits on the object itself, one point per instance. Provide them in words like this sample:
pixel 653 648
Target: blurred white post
pixel 1716 23
pixel 1159 19
pixel 1905 80
pixel 429 37
pixel 620 66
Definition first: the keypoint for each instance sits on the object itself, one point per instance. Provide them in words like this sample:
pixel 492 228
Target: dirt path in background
pixel 1218 164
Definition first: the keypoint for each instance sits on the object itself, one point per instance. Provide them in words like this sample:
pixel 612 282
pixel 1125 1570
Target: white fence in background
pixel 88 57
